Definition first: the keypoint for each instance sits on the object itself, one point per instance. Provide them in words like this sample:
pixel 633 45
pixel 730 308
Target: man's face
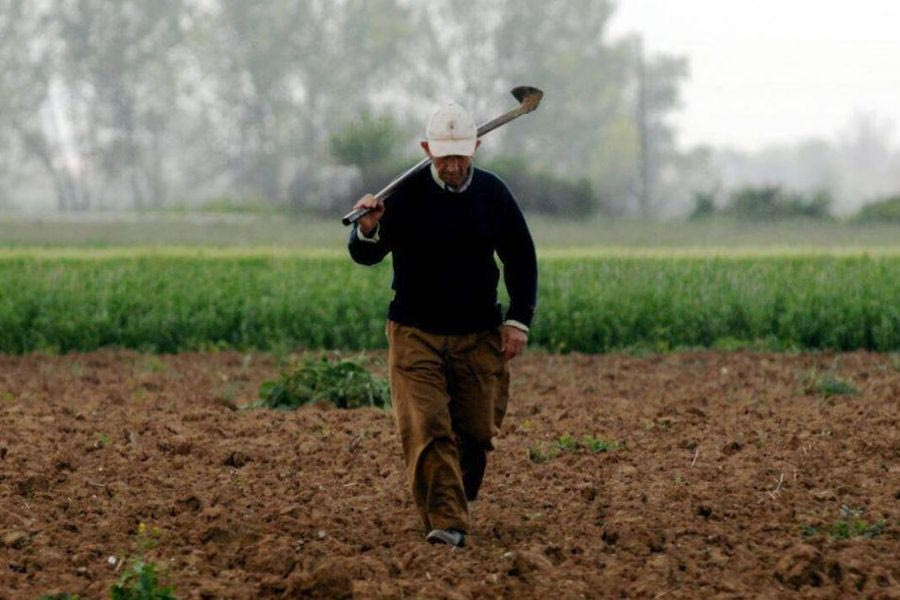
pixel 451 169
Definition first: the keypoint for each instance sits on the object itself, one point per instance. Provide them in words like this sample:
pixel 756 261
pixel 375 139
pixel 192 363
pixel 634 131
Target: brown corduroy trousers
pixel 449 395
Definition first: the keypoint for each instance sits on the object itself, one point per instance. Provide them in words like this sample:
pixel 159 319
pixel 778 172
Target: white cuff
pixel 516 324
pixel 375 237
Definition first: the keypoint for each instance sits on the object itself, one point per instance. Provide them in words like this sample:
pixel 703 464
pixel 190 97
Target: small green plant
pixel 541 454
pixel 141 581
pixel 829 385
pixel 343 383
pixel 851 525
pixel 568 443
pixel 593 444
pixel 60 596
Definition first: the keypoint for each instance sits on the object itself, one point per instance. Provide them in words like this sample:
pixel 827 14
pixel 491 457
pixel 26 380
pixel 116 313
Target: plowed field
pixel 734 475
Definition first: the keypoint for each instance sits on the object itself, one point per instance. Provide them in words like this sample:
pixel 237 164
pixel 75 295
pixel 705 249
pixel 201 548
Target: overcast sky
pixel 775 70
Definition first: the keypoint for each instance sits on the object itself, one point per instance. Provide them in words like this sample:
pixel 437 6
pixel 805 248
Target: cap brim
pixel 441 148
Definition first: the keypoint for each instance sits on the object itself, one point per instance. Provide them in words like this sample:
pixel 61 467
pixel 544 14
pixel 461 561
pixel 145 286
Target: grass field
pixel 184 282
pixel 174 300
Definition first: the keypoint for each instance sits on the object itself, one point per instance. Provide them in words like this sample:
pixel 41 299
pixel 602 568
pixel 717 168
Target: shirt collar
pixel 444 186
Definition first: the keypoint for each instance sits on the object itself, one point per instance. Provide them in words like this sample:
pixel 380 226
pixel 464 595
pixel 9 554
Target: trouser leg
pixel 418 377
pixel 479 393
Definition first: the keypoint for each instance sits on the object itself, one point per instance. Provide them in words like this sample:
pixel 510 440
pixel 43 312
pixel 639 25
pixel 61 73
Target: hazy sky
pixel 775 70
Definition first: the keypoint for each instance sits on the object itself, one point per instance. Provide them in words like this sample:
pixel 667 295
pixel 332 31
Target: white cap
pixel 451 131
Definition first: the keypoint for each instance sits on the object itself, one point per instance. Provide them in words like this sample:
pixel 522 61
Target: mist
pixel 299 106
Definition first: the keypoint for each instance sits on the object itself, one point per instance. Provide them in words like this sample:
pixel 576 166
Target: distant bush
pixel 704 206
pixel 882 211
pixel 772 203
pixel 368 153
pixel 544 192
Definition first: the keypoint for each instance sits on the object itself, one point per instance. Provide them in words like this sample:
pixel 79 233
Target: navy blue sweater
pixel 443 244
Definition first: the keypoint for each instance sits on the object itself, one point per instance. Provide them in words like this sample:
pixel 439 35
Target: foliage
pixel 173 98
pixel 851 525
pixel 881 211
pixel 367 141
pixel 543 192
pixel 374 145
pixel 771 203
pixel 542 453
pixel 343 383
pixel 141 582
pixel 829 385
pixel 704 206
pixel 586 303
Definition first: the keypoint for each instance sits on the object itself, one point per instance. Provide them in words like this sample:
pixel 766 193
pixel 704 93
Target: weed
pixel 153 364
pixel 141 582
pixel 593 444
pixel 566 443
pixel 851 525
pixel 828 385
pixel 342 383
pixel 569 443
pixel 539 454
pixel 103 441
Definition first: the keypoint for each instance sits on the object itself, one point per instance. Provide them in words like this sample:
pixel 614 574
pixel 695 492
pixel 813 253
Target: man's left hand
pixel 514 341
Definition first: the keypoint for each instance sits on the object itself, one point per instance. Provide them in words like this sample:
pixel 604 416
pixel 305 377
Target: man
pixel 449 345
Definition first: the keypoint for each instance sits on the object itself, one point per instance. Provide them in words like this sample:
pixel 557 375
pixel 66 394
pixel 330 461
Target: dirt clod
pixel 802 565
pixel 237 459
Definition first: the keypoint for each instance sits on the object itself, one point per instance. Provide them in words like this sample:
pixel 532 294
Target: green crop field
pixel 169 300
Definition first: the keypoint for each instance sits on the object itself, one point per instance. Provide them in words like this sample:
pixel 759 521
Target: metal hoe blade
pixel 527 94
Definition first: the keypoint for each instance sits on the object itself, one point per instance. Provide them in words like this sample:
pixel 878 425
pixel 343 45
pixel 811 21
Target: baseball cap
pixel 451 131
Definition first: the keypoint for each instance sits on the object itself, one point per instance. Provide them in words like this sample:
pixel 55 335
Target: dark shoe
pixel 451 537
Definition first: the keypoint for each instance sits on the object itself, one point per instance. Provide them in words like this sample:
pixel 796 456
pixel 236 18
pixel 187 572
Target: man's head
pixel 451 141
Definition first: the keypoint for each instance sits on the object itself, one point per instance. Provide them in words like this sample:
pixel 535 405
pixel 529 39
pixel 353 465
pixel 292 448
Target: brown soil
pixel 729 482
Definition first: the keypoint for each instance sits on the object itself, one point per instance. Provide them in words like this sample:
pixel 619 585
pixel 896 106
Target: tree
pixel 589 122
pixel 25 76
pixel 286 72
pixel 118 80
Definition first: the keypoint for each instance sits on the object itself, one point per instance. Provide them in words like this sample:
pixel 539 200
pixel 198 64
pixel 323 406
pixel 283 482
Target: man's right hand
pixel 368 221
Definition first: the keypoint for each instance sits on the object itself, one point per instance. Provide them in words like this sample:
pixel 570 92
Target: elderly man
pixel 449 343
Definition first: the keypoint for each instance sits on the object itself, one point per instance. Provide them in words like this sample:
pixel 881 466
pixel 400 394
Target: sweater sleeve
pixel 368 250
pixel 516 250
